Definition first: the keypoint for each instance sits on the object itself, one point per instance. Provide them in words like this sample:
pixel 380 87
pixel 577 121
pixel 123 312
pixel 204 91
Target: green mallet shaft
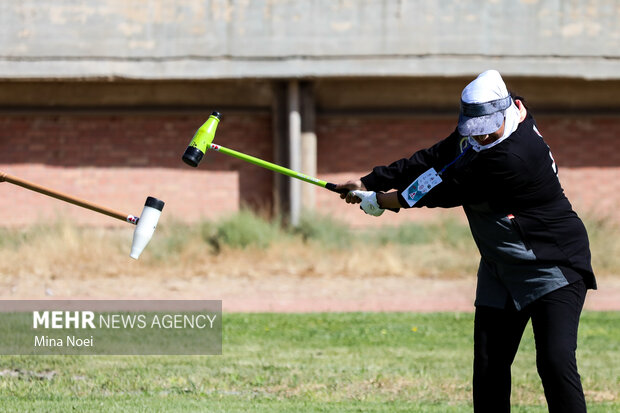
pixel 274 167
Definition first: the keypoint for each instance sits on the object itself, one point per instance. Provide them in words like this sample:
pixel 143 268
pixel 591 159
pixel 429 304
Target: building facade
pixel 100 98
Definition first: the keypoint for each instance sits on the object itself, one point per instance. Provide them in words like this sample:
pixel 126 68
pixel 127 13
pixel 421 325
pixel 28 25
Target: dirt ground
pixel 286 293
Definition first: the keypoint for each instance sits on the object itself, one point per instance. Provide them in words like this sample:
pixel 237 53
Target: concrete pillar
pixel 294 139
pixel 280 148
pixel 294 147
pixel 308 143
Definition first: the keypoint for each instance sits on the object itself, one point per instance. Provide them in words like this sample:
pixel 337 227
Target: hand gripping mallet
pixel 203 140
pixel 145 224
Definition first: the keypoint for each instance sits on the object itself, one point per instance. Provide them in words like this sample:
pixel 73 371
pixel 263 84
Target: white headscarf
pixel 487 87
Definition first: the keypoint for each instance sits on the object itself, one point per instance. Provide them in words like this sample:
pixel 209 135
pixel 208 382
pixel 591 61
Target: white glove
pixel 369 202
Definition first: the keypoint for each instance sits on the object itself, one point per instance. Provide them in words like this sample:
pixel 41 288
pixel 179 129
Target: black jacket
pixel 530 239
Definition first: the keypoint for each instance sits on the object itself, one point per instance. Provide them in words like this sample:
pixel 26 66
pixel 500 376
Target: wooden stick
pixel 67 198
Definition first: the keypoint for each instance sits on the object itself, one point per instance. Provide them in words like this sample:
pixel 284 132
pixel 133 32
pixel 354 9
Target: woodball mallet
pixel 203 140
pixel 145 224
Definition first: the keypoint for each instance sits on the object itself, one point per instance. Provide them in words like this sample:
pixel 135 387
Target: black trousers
pixel 497 333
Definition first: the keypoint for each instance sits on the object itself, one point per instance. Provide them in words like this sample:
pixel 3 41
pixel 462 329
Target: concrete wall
pixel 216 39
pixel 429 94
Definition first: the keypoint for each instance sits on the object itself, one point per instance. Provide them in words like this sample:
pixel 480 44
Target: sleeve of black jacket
pixel 400 174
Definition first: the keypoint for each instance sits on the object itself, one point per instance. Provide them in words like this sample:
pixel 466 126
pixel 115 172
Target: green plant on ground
pixel 604 234
pixel 323 230
pixel 411 233
pixel 443 246
pixel 242 230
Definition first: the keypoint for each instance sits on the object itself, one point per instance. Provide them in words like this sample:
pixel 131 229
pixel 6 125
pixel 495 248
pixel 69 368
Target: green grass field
pixel 336 362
